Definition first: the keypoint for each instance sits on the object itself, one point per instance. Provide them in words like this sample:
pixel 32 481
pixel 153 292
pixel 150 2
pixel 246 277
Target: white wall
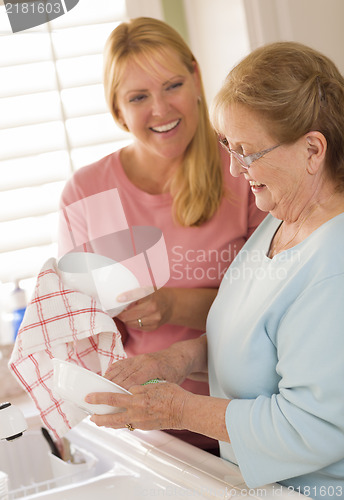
pixel 318 23
pixel 147 8
pixel 218 38
pixel 223 31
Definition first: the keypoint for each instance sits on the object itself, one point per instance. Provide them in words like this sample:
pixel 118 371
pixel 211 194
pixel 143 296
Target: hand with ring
pixel 151 407
pixel 149 312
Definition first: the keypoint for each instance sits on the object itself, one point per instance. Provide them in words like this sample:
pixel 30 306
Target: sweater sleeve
pixel 300 429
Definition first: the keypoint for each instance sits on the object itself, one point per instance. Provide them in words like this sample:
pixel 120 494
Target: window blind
pixel 53 120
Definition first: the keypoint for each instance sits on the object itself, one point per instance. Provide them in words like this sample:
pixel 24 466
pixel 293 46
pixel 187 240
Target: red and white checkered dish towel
pixel 65 324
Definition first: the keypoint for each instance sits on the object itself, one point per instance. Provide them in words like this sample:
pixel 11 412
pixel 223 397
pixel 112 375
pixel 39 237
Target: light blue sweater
pixel 276 347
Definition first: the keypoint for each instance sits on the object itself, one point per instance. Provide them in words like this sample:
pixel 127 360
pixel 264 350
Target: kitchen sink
pixel 120 464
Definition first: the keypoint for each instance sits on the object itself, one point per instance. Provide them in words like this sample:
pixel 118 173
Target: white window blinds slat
pixel 33 108
pixel 25 79
pixel 34 170
pixel 30 201
pixel 31 139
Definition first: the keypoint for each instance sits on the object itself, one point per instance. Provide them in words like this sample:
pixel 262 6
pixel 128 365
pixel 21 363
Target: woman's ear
pixel 316 151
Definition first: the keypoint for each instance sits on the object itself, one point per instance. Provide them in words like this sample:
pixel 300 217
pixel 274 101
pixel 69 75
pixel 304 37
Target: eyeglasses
pixel 245 160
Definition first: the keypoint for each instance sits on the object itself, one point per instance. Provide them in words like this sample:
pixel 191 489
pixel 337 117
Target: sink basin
pixel 126 466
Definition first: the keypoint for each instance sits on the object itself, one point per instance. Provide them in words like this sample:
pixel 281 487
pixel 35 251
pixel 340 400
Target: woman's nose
pixel 235 167
pixel 160 106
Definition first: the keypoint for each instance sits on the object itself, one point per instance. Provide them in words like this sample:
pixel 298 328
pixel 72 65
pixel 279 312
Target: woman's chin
pixel 263 204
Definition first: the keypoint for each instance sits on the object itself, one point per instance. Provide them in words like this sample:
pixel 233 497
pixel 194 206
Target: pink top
pixel 198 256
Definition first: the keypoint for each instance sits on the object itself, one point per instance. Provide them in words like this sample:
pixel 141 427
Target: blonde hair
pixel 295 90
pixel 197 187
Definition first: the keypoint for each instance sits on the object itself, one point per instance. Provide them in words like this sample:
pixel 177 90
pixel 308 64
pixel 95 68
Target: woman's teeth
pixel 256 184
pixel 166 128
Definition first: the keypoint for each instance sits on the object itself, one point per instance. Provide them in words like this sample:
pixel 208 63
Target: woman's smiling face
pixel 279 179
pixel 160 109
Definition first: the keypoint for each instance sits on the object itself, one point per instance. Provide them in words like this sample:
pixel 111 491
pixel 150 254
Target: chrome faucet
pixel 12 422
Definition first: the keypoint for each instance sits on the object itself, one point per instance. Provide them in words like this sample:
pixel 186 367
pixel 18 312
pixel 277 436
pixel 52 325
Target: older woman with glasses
pixel 173 175
pixel 276 365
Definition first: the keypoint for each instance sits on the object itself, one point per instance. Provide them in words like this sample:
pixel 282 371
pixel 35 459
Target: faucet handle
pixel 12 422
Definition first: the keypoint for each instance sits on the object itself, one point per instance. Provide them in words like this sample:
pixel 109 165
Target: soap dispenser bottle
pixel 18 304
